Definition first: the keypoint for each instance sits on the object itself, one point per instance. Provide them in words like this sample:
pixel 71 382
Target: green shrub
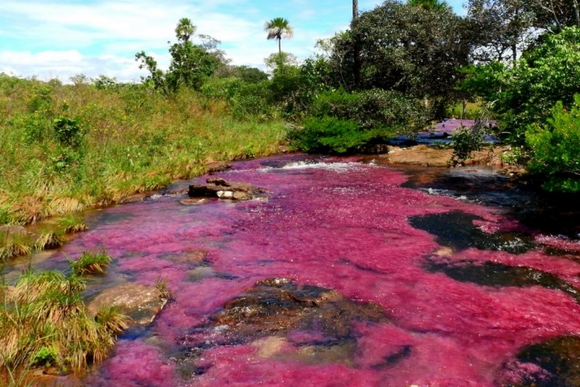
pixel 245 99
pixel 45 357
pixel 555 148
pixel 68 131
pixel 373 109
pixel 334 135
pixel 523 93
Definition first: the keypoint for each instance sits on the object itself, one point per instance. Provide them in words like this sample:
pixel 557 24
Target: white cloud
pixel 62 38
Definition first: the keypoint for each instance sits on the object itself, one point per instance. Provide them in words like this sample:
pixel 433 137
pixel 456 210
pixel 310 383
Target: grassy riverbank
pixel 65 148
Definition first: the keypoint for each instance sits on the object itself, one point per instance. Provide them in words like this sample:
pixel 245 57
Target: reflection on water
pixel 357 236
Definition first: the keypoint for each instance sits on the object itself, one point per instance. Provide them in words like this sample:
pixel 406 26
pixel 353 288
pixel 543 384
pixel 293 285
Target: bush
pixel 555 148
pixel 333 135
pixel 245 99
pixel 342 122
pixel 373 109
pixel 68 131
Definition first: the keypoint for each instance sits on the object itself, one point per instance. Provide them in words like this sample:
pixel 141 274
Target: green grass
pixel 66 148
pixel 472 110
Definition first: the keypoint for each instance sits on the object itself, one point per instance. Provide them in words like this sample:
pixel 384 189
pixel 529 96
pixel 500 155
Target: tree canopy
pixel 412 49
pixel 190 63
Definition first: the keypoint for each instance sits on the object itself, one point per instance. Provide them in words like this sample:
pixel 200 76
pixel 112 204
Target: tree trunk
pixel 279 45
pixel 356 48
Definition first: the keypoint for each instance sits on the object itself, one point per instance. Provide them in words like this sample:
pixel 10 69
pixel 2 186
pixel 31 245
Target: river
pixel 411 276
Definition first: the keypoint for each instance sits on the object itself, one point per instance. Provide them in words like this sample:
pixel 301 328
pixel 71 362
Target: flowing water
pixel 408 277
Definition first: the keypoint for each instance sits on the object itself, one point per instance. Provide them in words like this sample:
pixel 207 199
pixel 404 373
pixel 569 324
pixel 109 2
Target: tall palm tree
pixel 278 28
pixel 436 5
pixel 354 9
pixel 184 30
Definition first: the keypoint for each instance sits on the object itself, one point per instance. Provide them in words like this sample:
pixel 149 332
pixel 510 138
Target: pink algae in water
pixel 339 225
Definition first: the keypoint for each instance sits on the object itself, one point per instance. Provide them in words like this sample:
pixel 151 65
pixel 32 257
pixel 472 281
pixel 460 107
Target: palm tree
pixel 184 30
pixel 354 9
pixel 278 28
pixel 430 4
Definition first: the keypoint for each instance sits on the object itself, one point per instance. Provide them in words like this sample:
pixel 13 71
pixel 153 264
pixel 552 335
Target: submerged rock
pixel 283 319
pixel 218 187
pixel 217 166
pixel 140 302
pixel 279 305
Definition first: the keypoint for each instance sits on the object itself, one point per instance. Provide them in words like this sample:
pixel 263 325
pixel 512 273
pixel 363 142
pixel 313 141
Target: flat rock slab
pixel 140 302
pixel 217 166
pixel 437 157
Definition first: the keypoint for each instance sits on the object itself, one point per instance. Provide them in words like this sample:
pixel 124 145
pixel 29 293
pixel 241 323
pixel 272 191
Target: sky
pixel 59 39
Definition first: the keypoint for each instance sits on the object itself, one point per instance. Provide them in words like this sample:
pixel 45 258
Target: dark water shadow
pixel 456 230
pixel 559 359
pixel 499 274
pixel 521 198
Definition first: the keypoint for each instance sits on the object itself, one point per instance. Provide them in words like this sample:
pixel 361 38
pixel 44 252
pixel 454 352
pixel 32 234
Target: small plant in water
pixel 112 319
pixel 161 285
pixel 14 244
pixel 49 240
pixel 72 223
pixel 91 262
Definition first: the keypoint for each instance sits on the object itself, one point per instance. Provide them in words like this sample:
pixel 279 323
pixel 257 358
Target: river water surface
pixel 468 295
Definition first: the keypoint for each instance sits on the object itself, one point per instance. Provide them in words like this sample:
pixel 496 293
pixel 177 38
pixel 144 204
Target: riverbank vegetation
pixel 44 323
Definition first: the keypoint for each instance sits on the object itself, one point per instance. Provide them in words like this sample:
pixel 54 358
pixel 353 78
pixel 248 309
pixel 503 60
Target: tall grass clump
pixel 44 323
pixel 14 245
pixel 68 147
pixel 91 262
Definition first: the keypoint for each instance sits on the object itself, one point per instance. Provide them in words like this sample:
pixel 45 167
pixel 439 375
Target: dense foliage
pixel 524 93
pixel 555 147
pixel 417 52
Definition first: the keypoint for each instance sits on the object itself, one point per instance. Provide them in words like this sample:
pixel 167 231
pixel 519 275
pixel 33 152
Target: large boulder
pixel 223 189
pixel 140 302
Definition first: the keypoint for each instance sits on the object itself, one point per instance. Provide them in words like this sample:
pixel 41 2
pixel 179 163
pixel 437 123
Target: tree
pixel 190 63
pixel 523 94
pixel 506 28
pixel 503 28
pixel 356 48
pixel 184 30
pixel 403 48
pixel 278 28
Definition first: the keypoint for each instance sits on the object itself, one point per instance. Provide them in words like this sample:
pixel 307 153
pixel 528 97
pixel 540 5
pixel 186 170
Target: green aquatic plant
pixel 91 262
